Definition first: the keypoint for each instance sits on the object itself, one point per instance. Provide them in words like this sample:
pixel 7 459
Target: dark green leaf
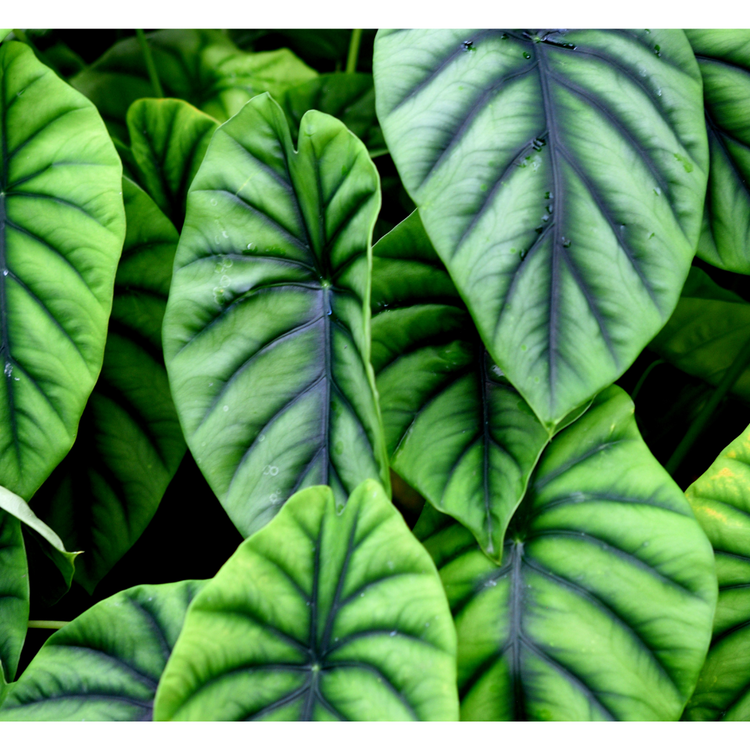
pixel 325 614
pixel 561 179
pixel 267 330
pixel 14 596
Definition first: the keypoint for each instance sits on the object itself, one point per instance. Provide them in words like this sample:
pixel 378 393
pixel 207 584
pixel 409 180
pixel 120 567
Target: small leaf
pixel 720 500
pixel 106 664
pixel 14 596
pixel 325 614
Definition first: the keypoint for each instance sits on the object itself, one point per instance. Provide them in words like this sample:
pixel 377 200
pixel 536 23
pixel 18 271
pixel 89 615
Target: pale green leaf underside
pixel 129 442
pixel 325 614
pixel 721 502
pixel 61 231
pixel 561 178
pixel 267 329
pixel 106 664
pixel 602 608
pixel 14 596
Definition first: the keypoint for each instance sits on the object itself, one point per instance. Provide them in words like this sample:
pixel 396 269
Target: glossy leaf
pixel 456 430
pixel 106 664
pixel 267 330
pixel 561 178
pixel 325 614
pixel 62 225
pixel 168 140
pixel 602 608
pixel 706 332
pixel 14 596
pixel 721 502
pixel 200 66
pixel 129 445
pixel 724 59
pixel 348 96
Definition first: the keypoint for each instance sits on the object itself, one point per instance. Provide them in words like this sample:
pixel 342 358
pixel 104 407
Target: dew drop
pixel 228 262
pixel 5 272
pixel 250 245
pixel 213 201
pixel 8 368
pixel 497 371
pixel 224 234
pixel 566 242
pixel 226 408
pixel 657 191
pixel 527 55
pixel 274 470
pixel 393 632
pixel 468 46
pixel 261 438
pixel 224 280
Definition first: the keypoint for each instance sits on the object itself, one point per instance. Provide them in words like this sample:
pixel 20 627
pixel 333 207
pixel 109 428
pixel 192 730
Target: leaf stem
pixel 351 59
pixel 730 378
pixel 150 66
pixel 47 624
pixel 643 377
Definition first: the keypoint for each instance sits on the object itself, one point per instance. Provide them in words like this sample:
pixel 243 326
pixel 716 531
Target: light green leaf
pixel 129 443
pixel 707 331
pixel 721 502
pixel 168 139
pixel 4 33
pixel 724 59
pixel 456 430
pixel 325 614
pixel 62 225
pixel 14 596
pixel 348 96
pixel 106 664
pixel 267 330
pixel 561 179
pixel 602 608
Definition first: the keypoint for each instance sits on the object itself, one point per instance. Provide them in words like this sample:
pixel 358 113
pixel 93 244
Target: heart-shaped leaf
pixel 706 333
pixel 724 59
pixel 168 138
pixel 456 430
pixel 106 664
pixel 561 178
pixel 348 96
pixel 267 330
pixel 62 226
pixel 602 608
pixel 14 596
pixel 721 502
pixel 325 614
pixel 129 443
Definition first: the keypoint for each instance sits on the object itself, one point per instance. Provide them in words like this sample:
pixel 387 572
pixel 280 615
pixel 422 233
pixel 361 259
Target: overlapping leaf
pixel 267 330
pixel 561 178
pixel 325 615
pixel 724 59
pixel 129 444
pixel 14 596
pixel 456 430
pixel 107 663
pixel 602 608
pixel 721 502
pixel 62 225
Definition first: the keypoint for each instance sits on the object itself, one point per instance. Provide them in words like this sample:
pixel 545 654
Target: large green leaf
pixel 561 178
pixel 62 225
pixel 707 331
pixel 602 608
pixel 129 445
pixel 348 96
pixel 14 596
pixel 324 614
pixel 721 502
pixel 168 139
pixel 200 66
pixel 106 664
pixel 267 330
pixel 724 59
pixel 456 430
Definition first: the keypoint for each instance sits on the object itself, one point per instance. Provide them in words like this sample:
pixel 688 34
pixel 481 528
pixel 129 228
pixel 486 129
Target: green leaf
pixel 129 445
pixel 62 225
pixel 4 33
pixel 721 502
pixel 267 330
pixel 14 596
pixel 602 608
pixel 325 614
pixel 707 331
pixel 456 430
pixel 724 59
pixel 200 66
pixel 561 180
pixel 106 664
pixel 168 139
pixel 348 96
